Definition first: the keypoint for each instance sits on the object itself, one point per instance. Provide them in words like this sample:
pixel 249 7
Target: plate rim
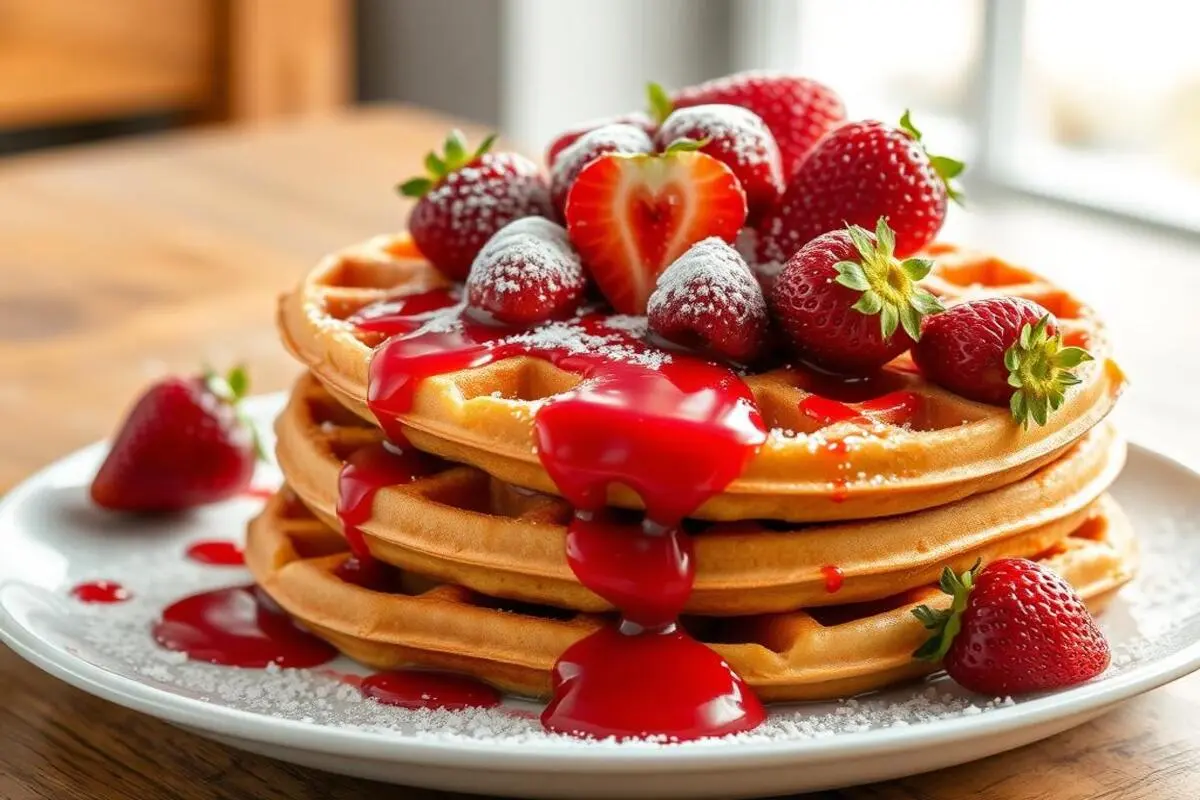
pixel 497 755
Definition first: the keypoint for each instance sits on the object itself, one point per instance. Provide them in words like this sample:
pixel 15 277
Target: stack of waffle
pixel 808 565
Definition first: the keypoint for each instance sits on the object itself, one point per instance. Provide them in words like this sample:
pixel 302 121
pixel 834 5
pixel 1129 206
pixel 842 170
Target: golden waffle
pixel 463 527
pixel 800 655
pixel 484 416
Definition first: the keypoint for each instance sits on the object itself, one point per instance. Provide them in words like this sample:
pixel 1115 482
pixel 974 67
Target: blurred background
pixel 1102 112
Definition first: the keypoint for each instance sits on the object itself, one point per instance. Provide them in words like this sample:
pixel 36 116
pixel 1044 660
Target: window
pixel 1094 105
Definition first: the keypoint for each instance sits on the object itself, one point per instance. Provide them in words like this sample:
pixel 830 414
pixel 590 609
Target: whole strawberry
pixel 629 216
pixel 1002 351
pixel 567 138
pixel 733 135
pixel 708 299
pixel 527 273
pixel 617 138
pixel 184 444
pixel 858 173
pixel 846 304
pixel 796 110
pixel 1013 627
pixel 466 197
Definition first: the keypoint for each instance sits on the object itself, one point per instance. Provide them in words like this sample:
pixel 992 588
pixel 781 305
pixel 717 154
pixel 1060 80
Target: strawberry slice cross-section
pixel 630 216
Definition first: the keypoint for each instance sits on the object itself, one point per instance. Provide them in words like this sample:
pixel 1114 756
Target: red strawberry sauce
pixel 365 472
pixel 217 553
pixel 100 592
pixel 412 688
pixel 238 626
pixel 676 432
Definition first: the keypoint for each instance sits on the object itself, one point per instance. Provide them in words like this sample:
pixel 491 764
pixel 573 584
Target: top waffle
pixel 807 470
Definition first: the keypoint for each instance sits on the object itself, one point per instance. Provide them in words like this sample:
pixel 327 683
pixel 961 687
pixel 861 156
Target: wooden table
pixel 121 262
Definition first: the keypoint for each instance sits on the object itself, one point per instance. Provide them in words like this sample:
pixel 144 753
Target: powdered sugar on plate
pixel 1152 617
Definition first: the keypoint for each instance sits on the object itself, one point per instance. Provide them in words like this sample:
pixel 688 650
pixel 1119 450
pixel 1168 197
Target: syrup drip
pixel 896 408
pixel 238 627
pixel 100 592
pixel 841 483
pixel 834 577
pixel 217 553
pixel 676 435
pixel 403 314
pixel 365 472
pixel 423 689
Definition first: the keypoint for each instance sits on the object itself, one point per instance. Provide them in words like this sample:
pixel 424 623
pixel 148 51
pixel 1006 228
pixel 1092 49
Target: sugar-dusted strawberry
pixel 1003 351
pixel 183 444
pixel 733 135
pixel 468 196
pixel 846 304
pixel 617 138
pixel 798 111
pixel 709 300
pixel 527 273
pixel 858 173
pixel 1013 627
pixel 629 216
pixel 567 138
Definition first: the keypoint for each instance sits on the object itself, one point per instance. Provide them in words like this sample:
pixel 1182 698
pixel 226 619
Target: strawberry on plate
pixel 1006 351
pixel 709 300
pixel 629 216
pixel 1013 627
pixel 858 173
pixel 616 138
pixel 847 305
pixel 568 137
pixel 468 196
pixel 184 444
pixel 798 111
pixel 735 136
pixel 527 273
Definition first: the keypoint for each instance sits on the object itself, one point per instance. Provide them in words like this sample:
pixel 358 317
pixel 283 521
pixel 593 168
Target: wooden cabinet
pixel 66 61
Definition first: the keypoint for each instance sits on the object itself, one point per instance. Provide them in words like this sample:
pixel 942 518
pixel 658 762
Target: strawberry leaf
pixel 870 303
pixel 851 276
pixel 415 187
pixel 1040 369
pixel 659 102
pixel 684 145
pixel 945 624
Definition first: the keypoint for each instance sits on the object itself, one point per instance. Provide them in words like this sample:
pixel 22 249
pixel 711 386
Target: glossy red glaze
pixel 648 575
pixel 100 592
pixel 650 684
pixel 403 314
pixel 218 553
pixel 364 473
pixel 676 434
pixel 834 577
pixel 896 408
pixel 238 627
pixel 412 688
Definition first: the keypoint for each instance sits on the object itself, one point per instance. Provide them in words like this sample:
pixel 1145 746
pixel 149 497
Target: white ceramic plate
pixel 51 538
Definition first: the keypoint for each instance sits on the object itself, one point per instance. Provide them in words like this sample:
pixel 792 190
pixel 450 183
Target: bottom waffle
pixel 811 654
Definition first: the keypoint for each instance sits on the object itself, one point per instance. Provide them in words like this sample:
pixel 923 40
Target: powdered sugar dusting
pixel 710 279
pixel 119 636
pixel 528 271
pixel 616 138
pixel 743 135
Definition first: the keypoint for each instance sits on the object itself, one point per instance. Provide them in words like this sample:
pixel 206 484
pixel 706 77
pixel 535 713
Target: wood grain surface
pixel 121 262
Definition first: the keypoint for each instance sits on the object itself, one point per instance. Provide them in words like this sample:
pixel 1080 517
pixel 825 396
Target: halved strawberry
pixel 629 216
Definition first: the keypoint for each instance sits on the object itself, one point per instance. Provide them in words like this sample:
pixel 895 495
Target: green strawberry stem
pixel 889 286
pixel 659 102
pixel 1040 369
pixel 946 168
pixel 455 157
pixel 232 388
pixel 945 624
